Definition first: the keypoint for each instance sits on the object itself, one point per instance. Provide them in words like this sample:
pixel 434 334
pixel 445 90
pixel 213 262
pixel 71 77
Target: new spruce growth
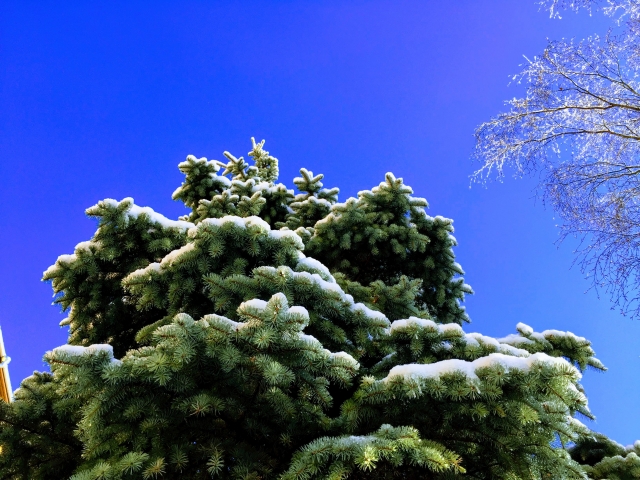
pixel 269 334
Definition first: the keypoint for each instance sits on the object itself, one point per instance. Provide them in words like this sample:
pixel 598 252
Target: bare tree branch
pixel 578 128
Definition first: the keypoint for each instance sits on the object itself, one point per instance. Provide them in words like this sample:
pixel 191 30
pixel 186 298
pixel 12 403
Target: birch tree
pixel 577 128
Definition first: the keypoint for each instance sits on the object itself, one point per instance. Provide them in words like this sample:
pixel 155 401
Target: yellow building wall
pixel 6 393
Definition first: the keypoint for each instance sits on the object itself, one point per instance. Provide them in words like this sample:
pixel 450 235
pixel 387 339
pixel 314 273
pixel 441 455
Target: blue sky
pixel 103 99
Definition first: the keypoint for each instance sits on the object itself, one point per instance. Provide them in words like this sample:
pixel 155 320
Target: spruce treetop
pixel 274 335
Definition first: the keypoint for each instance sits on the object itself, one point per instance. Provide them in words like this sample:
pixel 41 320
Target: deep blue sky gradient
pixel 103 99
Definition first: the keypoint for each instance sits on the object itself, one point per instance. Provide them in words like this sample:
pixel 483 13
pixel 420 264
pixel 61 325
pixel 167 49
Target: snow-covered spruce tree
pixel 604 459
pixel 267 335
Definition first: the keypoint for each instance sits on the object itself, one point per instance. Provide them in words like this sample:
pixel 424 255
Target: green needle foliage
pixel 605 459
pixel 274 335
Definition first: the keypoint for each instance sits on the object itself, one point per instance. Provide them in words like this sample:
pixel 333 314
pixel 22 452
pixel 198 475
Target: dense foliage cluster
pixel 268 334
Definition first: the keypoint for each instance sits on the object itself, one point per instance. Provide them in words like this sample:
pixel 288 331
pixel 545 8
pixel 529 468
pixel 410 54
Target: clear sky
pixel 103 99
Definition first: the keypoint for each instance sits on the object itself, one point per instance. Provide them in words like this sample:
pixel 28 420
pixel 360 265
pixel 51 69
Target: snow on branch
pixel 508 362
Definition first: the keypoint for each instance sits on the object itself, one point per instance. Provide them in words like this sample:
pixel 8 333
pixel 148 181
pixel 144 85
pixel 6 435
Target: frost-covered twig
pixel 578 129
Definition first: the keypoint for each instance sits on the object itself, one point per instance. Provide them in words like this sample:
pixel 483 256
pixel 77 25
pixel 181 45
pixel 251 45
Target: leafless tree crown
pixel 578 128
